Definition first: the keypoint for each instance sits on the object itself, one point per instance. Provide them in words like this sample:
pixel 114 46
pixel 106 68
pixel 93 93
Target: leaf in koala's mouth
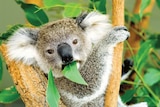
pixel 71 72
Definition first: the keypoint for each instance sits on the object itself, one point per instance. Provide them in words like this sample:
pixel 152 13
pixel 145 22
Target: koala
pixel 89 40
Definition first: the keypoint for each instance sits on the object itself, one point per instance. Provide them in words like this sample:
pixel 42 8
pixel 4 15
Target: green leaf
pixel 136 18
pixel 155 38
pixel 102 6
pixel 152 76
pixel 158 3
pixel 99 5
pixel 53 96
pixel 72 10
pixel 1 68
pixel 34 14
pixel 9 32
pixel 52 3
pixel 141 91
pixel 144 4
pixel 142 55
pixel 71 72
pixel 9 95
pixel 128 95
pixel 94 0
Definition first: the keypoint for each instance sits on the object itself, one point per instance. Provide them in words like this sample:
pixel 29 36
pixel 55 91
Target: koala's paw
pixel 119 34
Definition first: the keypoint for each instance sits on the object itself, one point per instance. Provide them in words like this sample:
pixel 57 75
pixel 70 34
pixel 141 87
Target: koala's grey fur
pixel 93 53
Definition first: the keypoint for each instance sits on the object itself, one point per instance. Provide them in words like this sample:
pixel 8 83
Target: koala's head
pixel 58 43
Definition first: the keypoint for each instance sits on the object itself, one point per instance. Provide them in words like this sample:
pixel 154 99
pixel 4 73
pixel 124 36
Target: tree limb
pixel 114 83
pixel 30 82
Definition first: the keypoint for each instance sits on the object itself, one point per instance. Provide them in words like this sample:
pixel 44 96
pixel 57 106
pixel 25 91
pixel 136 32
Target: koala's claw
pixel 120 28
pixel 119 34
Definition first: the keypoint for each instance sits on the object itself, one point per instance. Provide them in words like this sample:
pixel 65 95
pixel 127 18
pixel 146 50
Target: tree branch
pixel 114 83
pixel 30 82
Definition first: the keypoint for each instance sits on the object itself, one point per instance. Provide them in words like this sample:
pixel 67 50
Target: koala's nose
pixel 65 52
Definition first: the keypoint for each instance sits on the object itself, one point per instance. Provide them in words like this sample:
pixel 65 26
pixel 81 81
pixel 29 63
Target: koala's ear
pixel 94 24
pixel 21 45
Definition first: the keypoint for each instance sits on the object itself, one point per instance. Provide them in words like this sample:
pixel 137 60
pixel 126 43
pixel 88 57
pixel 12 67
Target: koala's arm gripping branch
pixel 30 82
pixel 114 83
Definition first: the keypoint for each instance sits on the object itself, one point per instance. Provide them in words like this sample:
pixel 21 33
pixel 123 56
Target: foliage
pixel 71 72
pixel 99 5
pixel 9 32
pixel 52 92
pixel 34 14
pixel 9 95
pixel 146 61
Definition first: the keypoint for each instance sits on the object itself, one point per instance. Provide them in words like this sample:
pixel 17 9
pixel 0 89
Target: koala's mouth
pixel 66 64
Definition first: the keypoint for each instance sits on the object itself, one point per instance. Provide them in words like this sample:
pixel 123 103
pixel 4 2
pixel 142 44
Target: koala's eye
pixel 50 51
pixel 75 41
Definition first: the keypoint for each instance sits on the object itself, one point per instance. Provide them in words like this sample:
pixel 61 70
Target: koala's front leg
pixel 96 72
pixel 117 34
pixel 97 69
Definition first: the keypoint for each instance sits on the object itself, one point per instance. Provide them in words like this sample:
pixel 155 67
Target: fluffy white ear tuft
pixel 96 25
pixel 21 45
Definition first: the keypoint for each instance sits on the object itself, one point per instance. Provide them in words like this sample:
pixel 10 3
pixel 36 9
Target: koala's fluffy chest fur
pixel 96 72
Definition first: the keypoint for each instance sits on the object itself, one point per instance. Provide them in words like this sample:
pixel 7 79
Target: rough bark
pixel 30 82
pixel 114 83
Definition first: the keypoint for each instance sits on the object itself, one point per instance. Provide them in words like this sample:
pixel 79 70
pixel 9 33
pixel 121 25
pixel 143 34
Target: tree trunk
pixel 114 83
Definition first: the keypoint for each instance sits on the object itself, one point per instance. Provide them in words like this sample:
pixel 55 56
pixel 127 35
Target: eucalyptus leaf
pixel 155 38
pixel 136 18
pixel 142 55
pixel 34 14
pixel 72 10
pixel 152 76
pixel 144 4
pixel 158 3
pixel 52 93
pixel 52 3
pixel 71 72
pixel 10 31
pixel 102 6
pixel 94 0
pixel 9 95
pixel 128 95
pixel 99 5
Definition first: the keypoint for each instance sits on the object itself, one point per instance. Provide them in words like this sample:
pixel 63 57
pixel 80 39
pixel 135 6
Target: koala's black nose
pixel 65 52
